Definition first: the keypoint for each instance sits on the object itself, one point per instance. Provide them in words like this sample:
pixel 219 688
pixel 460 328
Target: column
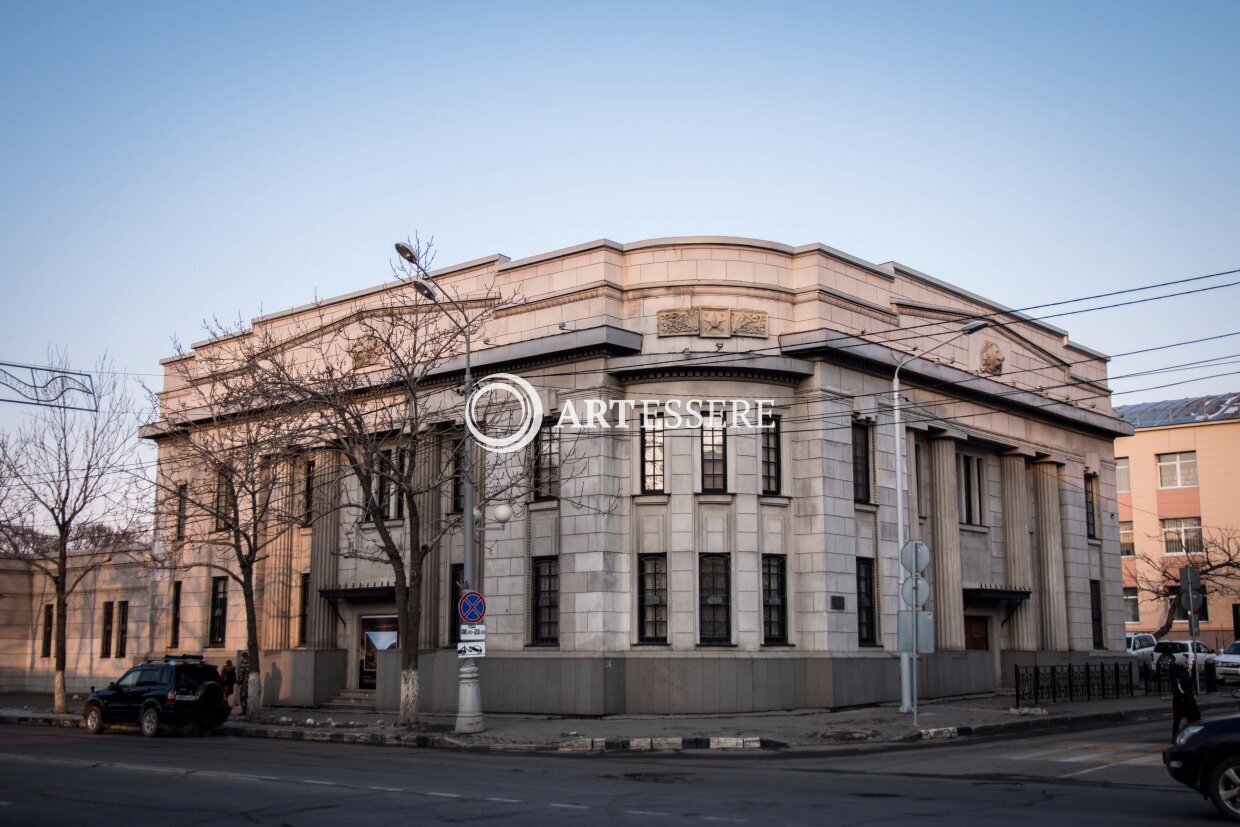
pixel 1050 540
pixel 1023 624
pixel 320 619
pixel 945 548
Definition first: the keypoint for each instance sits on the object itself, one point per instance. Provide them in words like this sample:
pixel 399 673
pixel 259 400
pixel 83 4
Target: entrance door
pixel 378 634
pixel 1235 621
pixel 976 633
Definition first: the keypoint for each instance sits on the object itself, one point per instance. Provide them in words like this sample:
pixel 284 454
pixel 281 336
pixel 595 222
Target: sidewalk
pixel 804 730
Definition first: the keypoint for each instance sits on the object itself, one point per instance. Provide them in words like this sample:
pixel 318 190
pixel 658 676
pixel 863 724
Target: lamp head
pixel 406 252
pixel 425 289
pixel 503 513
pixel 974 326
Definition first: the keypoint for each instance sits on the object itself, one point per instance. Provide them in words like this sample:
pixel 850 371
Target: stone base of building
pixel 303 677
pixel 641 683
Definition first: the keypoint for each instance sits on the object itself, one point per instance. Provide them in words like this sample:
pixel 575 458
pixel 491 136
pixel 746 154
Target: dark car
pixel 181 691
pixel 1206 757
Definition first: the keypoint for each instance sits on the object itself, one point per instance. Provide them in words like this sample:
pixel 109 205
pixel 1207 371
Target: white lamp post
pixel 908 668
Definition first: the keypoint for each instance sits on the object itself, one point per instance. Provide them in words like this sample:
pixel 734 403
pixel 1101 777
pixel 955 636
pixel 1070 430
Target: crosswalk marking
pixel 1095 752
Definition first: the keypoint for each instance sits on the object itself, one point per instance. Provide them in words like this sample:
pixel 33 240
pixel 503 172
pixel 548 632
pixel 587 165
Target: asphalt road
pixel 1111 776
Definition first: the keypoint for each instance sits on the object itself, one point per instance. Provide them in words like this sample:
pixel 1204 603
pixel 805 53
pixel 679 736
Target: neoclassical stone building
pixel 678 567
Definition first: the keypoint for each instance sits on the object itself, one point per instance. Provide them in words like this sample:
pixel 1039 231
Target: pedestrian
pixel 229 676
pixel 243 682
pixel 1183 701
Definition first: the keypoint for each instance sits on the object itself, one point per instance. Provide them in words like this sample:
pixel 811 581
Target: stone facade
pixel 774 586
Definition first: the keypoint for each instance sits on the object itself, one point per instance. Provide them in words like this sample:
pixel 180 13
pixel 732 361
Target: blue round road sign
pixel 472 608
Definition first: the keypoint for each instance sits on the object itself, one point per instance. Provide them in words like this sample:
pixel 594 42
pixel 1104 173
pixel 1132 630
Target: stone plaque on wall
pixel 678 322
pixel 713 322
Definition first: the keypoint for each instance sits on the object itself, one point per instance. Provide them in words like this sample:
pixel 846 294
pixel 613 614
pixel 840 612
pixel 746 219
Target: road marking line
pixel 1088 770
pixel 506 800
pixel 645 813
pixel 570 806
pixel 443 795
pixel 318 783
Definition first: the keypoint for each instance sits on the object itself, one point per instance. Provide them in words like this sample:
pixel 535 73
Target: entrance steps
pixel 353 700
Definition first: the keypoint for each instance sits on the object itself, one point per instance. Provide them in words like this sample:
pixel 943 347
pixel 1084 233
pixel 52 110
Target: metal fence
pixel 1084 682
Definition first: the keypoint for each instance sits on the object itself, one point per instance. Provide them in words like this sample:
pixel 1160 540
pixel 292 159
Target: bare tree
pixel 224 492
pixel 1215 554
pixel 72 493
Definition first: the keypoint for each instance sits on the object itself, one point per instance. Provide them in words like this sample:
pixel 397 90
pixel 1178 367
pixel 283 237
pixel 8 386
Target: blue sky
pixel 166 162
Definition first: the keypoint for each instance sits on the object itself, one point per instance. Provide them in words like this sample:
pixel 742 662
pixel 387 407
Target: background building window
pixel 456 587
pixel 771 460
pixel 1127 543
pixel 1091 507
pixel 458 476
pixel 867 615
pixel 971 481
pixel 219 611
pixel 1123 479
pixel 307 494
pixel 174 621
pixel 182 503
pixel 1132 605
pixel 105 639
pixel 714 598
pixel 303 618
pixel 122 627
pixel 652 454
pixel 774 599
pixel 1095 613
pixel 47 630
pixel 546 598
pixel 1182 536
pixel 863 489
pixel 652 598
pixel 547 462
pixel 1177 470
pixel 714 454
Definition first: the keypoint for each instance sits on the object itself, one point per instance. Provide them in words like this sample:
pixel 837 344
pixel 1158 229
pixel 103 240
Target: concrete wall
pixel 303 677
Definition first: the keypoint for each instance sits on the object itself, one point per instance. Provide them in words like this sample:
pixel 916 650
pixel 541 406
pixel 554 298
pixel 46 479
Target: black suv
pixel 180 691
pixel 1206 757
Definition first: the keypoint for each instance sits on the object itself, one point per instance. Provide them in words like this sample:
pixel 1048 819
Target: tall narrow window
pixel 715 598
pixel 547 462
pixel 546 598
pixel 122 627
pixel 1123 477
pixel 1091 507
pixel 1127 543
pixel 971 482
pixel 388 503
pixel 774 599
pixel 105 639
pixel 652 454
pixel 303 619
pixel 1132 606
pixel 219 611
pixel 922 469
pixel 174 621
pixel 456 587
pixel 771 459
pixel 867 615
pixel 223 502
pixel 1177 470
pixel 714 454
pixel 307 494
pixel 458 476
pixel 47 630
pixel 863 489
pixel 1095 613
pixel 652 598
pixel 1182 536
pixel 182 503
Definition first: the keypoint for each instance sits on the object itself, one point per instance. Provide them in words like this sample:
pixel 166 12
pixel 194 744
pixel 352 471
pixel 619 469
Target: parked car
pixel 1227 662
pixel 181 691
pixel 1191 653
pixel 1206 757
pixel 1140 645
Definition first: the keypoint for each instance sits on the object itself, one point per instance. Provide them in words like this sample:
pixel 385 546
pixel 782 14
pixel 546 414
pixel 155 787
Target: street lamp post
pixel 469 686
pixel 908 660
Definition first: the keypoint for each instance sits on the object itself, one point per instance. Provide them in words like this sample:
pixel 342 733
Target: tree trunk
pixel 254 684
pixel 1168 620
pixel 62 575
pixel 409 621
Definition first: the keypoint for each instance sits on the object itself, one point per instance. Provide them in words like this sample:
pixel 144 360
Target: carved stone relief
pixel 365 352
pixel 713 323
pixel 992 358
